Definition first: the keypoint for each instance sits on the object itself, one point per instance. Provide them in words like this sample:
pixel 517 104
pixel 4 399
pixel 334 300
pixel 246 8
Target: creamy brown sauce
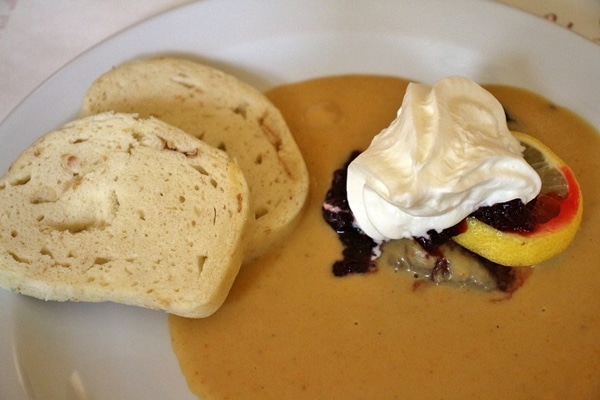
pixel 291 330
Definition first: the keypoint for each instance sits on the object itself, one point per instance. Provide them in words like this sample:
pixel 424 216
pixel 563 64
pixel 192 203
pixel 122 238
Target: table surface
pixel 35 41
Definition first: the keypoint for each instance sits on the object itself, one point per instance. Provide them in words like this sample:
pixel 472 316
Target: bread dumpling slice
pixel 117 208
pixel 226 113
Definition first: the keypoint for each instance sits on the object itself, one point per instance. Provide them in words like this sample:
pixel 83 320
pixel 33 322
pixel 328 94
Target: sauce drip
pixel 290 329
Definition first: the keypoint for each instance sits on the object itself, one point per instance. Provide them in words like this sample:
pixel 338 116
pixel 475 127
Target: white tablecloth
pixel 38 37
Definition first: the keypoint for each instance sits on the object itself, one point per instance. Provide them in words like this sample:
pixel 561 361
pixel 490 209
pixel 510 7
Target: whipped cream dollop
pixel 448 152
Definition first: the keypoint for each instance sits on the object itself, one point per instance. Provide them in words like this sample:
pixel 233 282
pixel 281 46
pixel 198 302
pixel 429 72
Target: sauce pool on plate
pixel 290 329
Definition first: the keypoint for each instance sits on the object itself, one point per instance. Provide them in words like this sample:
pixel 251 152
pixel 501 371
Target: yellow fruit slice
pixel 551 235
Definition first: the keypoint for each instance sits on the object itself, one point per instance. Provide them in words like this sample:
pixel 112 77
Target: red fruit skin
pixel 567 207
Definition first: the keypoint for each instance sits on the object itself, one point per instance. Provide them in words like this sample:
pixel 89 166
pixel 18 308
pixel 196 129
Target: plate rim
pixel 22 111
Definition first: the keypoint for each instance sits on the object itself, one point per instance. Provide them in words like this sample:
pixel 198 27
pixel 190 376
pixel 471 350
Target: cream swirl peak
pixel 448 152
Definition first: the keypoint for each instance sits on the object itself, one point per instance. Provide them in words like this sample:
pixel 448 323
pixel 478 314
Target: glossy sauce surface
pixel 290 329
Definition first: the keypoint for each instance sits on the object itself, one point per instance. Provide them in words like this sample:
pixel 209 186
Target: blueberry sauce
pixel 510 216
pixel 359 249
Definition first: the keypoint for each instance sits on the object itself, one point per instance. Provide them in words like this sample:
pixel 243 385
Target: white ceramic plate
pixel 108 351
